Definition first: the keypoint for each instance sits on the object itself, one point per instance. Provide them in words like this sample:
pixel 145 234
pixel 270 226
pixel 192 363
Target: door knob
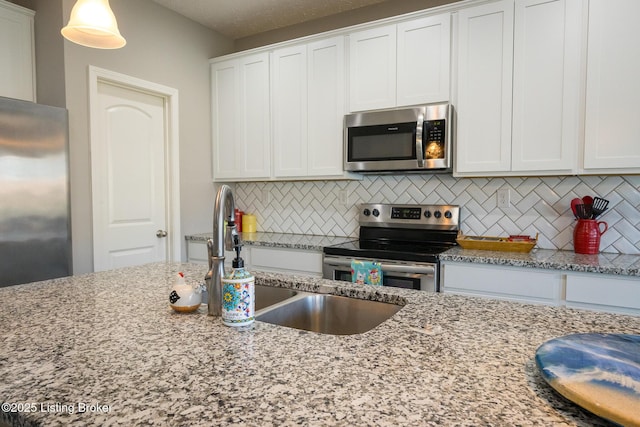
pixel 161 233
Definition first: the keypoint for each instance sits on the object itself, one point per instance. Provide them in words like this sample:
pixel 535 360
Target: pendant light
pixel 93 24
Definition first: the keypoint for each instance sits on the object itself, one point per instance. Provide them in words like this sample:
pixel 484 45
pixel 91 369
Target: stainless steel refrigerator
pixel 35 237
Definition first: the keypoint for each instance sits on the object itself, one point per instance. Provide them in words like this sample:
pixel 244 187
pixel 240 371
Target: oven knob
pixel 447 214
pixel 437 214
pixel 366 212
pixel 427 214
pixel 376 212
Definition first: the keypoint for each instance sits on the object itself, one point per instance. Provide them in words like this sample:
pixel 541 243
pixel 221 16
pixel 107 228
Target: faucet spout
pixel 223 209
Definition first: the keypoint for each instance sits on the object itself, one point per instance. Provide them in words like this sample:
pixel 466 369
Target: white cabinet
pixel 400 64
pixel 612 128
pixel 372 68
pixel 591 291
pixel 326 98
pixel 280 260
pixel 518 92
pixel 424 57
pixel 485 61
pixel 506 283
pixel 197 253
pixel 289 100
pixel 17 68
pixel 241 118
pixel 604 292
pixel 259 258
pixel 546 85
pixel 308 98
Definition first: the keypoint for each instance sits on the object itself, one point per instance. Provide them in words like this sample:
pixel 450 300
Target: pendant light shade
pixel 93 24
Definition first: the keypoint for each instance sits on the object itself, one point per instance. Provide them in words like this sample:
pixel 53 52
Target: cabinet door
pixel 240 118
pixel 546 78
pixel 612 128
pixel 225 111
pixel 372 69
pixel 423 60
pixel 485 60
pixel 255 136
pixel 17 68
pixel 326 107
pixel 289 97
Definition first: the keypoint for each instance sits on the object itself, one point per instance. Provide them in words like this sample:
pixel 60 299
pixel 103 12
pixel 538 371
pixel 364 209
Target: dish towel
pixel 366 273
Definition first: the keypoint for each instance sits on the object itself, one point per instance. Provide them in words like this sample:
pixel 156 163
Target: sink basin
pixel 330 314
pixel 266 296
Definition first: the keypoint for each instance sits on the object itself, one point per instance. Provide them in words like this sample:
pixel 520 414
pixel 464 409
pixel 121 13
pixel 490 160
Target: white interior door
pixel 129 140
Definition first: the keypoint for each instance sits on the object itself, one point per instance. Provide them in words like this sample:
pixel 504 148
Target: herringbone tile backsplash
pixel 538 205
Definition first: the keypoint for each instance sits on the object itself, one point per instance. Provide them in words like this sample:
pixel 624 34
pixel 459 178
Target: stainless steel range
pixel 404 239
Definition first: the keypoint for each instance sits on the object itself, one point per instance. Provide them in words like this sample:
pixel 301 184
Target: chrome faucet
pixel 224 208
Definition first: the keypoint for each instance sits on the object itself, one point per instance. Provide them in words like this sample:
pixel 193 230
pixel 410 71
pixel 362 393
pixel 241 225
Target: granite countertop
pixel 281 240
pixel 607 263
pixel 109 344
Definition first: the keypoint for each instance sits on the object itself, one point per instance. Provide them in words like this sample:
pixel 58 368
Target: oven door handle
pixel 391 268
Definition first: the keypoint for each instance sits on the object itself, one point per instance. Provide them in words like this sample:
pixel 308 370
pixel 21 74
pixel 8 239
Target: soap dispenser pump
pixel 238 293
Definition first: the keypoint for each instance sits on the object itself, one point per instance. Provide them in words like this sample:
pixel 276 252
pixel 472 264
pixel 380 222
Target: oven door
pixel 399 274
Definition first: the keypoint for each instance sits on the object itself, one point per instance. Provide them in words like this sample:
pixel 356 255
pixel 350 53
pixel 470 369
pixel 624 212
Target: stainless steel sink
pixel 329 314
pixel 266 296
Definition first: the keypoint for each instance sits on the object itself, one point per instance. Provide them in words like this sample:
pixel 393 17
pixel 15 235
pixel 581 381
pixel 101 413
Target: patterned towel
pixel 366 273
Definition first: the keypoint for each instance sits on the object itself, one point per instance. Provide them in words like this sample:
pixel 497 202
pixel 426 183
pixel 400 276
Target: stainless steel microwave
pixel 415 139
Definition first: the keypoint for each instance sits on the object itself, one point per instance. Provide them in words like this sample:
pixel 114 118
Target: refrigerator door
pixel 35 238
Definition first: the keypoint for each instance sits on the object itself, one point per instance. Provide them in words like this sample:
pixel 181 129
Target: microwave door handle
pixel 419 143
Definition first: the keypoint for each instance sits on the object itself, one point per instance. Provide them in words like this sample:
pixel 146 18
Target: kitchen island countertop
pixel 109 344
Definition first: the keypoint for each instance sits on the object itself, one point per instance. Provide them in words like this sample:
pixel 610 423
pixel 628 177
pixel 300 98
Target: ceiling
pixel 242 18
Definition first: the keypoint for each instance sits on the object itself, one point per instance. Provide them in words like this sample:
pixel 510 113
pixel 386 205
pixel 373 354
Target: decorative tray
pixel 599 372
pixel 505 244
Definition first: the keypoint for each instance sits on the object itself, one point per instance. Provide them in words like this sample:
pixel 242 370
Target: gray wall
pixel 162 47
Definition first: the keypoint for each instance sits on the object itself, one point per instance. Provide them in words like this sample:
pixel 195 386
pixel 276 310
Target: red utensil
pixel 587 200
pixel 574 203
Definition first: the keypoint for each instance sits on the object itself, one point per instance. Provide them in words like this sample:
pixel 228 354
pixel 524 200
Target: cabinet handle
pixel 161 233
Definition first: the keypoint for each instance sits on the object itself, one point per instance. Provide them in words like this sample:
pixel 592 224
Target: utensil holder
pixel 586 236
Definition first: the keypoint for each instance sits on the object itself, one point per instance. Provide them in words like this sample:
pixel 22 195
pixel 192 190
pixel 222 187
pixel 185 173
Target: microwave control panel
pixel 434 137
pixel 434 131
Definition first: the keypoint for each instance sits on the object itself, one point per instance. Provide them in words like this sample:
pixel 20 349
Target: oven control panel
pixel 410 216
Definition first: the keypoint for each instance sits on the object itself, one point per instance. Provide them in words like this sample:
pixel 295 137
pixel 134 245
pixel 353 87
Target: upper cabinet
pixel 278 114
pixel 612 128
pixel 241 118
pixel 485 61
pixel 400 64
pixel 518 87
pixel 17 68
pixel 308 109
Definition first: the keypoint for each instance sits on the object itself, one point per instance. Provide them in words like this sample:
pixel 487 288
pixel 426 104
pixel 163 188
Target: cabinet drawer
pixel 508 283
pixel 286 260
pixel 604 293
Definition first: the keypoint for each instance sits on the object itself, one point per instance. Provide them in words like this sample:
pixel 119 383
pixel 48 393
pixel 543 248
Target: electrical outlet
pixel 343 197
pixel 504 198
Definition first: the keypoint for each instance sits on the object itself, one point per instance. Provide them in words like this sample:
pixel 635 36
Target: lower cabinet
pixel 278 260
pixel 506 283
pixel 604 292
pixel 591 291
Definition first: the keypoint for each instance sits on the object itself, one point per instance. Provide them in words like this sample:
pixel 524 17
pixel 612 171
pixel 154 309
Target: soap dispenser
pixel 238 293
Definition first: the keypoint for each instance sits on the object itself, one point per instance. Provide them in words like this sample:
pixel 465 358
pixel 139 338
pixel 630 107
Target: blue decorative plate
pixel 600 372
